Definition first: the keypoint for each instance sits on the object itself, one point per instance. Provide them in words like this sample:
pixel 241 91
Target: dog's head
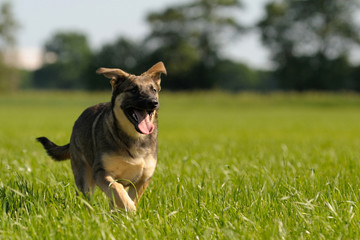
pixel 135 99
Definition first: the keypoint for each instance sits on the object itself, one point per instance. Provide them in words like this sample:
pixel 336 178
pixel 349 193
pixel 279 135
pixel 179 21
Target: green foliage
pixel 9 77
pixel 303 28
pixel 355 83
pixel 66 56
pixel 123 53
pixel 277 166
pixel 189 38
pixel 315 72
pixel 233 76
pixel 310 42
pixel 8 26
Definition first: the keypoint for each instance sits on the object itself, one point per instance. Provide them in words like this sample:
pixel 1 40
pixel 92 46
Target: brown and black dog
pixel 114 144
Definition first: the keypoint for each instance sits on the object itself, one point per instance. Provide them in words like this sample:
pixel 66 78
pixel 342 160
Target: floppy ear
pixel 155 72
pixel 113 74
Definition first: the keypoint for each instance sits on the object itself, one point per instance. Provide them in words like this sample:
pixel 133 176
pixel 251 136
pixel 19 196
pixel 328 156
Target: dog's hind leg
pixel 82 175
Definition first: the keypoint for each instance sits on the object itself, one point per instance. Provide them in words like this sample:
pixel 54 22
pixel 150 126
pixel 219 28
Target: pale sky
pixel 104 21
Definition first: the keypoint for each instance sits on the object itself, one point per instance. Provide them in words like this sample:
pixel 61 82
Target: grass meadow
pixel 244 166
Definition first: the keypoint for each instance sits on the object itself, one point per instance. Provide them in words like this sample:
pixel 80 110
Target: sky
pixel 104 21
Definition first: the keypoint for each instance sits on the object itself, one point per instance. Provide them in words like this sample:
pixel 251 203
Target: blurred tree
pixel 234 76
pixel 66 56
pixel 123 53
pixel 189 38
pixel 310 42
pixel 355 83
pixel 9 77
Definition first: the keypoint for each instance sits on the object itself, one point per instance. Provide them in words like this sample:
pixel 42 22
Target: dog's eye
pixel 133 90
pixel 154 89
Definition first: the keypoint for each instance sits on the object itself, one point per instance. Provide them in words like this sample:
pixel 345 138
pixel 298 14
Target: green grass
pixel 247 166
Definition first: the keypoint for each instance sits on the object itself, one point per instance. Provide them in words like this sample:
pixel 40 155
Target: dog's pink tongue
pixel 145 125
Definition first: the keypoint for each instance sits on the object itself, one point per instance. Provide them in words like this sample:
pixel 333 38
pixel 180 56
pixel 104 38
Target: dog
pixel 114 145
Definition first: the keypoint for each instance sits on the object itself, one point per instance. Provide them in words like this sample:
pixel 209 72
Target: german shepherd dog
pixel 114 144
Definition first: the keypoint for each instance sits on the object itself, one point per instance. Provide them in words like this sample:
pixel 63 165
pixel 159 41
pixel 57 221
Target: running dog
pixel 114 145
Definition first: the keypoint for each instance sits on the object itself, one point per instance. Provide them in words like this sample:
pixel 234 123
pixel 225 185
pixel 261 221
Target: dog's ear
pixel 113 73
pixel 155 72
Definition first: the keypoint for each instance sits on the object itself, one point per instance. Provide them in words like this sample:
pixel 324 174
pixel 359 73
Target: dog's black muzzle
pixel 152 104
pixel 149 104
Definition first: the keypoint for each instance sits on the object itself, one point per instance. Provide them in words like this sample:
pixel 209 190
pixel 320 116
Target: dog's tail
pixel 58 153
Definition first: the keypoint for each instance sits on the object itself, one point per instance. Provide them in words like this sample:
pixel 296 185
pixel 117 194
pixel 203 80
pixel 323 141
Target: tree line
pixel 310 44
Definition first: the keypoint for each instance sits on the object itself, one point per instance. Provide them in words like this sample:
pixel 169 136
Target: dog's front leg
pixel 114 190
pixel 136 191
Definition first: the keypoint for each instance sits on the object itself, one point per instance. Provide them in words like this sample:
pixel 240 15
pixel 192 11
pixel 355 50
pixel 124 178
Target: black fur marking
pixel 129 153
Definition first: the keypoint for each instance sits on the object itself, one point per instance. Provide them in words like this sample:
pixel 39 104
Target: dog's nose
pixel 154 103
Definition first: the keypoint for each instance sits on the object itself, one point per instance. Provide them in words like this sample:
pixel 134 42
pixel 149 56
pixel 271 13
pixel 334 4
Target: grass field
pixel 246 166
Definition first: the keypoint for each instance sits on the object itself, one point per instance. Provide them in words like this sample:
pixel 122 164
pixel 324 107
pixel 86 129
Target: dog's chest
pixel 129 169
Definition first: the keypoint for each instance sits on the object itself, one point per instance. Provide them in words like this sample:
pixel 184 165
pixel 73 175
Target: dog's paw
pixel 130 207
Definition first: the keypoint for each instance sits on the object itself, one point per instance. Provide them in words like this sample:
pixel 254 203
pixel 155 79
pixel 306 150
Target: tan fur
pixel 128 168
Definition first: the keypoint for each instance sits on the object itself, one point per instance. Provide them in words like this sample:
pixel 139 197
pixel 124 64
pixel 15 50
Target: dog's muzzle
pixel 141 117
